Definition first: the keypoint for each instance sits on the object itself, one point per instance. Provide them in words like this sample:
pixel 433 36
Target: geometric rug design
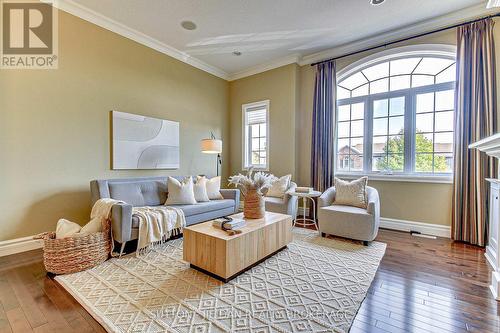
pixel 314 285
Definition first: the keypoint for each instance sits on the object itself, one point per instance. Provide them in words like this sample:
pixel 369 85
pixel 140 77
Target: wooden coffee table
pixel 217 254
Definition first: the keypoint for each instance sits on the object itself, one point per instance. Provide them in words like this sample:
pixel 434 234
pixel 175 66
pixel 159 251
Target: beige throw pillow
pixel 200 189
pixel 67 228
pixel 180 193
pixel 213 188
pixel 95 225
pixel 279 187
pixel 351 193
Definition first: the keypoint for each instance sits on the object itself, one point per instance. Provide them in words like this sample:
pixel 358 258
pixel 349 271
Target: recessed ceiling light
pixel 188 25
pixel 237 53
pixel 376 2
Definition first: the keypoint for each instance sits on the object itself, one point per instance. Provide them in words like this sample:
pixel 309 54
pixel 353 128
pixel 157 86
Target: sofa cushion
pixel 140 193
pixel 199 208
pixel 203 207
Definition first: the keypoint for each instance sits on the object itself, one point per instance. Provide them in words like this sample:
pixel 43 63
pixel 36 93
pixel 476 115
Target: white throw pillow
pixel 180 193
pixel 351 193
pixel 279 187
pixel 95 225
pixel 200 189
pixel 67 228
pixel 213 188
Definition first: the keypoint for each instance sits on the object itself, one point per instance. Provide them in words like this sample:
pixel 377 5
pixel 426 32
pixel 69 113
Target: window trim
pixel 421 50
pixel 411 51
pixel 244 149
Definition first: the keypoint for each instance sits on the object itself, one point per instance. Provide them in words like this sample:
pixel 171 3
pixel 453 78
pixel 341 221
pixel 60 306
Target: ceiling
pixel 268 33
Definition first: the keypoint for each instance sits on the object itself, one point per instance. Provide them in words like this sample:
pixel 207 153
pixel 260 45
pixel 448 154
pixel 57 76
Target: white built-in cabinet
pixel 491 146
pixel 492 245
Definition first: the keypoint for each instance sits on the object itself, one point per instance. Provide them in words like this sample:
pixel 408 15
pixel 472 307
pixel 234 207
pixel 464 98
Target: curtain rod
pixel 405 39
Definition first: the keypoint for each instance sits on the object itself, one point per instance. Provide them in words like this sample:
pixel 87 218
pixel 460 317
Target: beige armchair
pixel 347 221
pixel 286 205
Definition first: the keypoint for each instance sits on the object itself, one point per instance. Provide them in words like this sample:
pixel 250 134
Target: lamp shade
pixel 211 146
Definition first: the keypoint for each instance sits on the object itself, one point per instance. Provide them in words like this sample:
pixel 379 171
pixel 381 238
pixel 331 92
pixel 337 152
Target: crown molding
pixel 96 18
pixel 91 16
pixel 291 59
pixel 421 27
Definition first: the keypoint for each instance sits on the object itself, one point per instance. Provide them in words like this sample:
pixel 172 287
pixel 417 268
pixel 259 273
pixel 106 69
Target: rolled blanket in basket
pixel 157 224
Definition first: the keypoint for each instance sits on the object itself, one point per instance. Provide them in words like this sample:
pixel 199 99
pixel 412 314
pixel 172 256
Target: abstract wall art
pixel 144 143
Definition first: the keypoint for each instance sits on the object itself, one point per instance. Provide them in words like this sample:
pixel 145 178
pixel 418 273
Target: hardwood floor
pixel 422 285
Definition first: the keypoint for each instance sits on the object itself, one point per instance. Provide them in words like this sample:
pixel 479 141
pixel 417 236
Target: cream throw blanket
pixel 156 224
pixel 102 208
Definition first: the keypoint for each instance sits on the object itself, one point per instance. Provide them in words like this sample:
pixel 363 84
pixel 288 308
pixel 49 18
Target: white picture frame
pixel 144 143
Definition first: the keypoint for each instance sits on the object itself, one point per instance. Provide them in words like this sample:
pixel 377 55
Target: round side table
pixel 304 222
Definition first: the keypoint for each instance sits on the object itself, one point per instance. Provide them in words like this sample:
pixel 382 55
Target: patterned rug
pixel 315 285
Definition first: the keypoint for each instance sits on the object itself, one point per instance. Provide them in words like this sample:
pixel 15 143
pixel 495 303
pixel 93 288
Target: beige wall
pixel 280 87
pixel 399 200
pixel 419 202
pixel 54 124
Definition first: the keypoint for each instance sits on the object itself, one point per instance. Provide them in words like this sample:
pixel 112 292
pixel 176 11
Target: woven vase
pixel 254 207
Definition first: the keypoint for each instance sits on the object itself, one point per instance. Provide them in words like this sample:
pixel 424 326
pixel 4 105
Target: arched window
pixel 395 112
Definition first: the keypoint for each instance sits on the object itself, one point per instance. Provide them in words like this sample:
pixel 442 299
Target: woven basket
pixel 75 254
pixel 254 207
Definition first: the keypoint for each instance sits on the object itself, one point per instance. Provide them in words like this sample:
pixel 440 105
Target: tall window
pixel 395 115
pixel 255 136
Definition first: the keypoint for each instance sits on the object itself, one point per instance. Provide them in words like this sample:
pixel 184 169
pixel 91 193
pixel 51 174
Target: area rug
pixel 314 285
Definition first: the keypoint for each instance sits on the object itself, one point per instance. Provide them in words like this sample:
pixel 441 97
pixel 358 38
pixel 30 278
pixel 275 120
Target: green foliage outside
pixel 395 151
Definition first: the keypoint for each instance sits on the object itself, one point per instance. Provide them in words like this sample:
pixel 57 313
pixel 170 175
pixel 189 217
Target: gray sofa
pixel 349 222
pixel 152 191
pixel 286 205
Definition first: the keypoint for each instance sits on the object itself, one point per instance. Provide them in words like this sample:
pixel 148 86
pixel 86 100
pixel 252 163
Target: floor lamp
pixel 212 146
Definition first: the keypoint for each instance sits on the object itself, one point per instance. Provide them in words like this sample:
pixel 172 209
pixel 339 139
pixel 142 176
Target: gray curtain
pixel 323 141
pixel 476 118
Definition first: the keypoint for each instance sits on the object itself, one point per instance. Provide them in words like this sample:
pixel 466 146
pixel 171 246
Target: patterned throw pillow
pixel 351 193
pixel 279 187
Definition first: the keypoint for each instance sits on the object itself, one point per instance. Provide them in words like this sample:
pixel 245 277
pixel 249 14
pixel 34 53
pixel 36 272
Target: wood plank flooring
pixel 422 285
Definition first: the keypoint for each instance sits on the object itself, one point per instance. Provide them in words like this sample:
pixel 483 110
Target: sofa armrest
pixel 121 222
pixel 327 198
pixel 291 200
pixel 373 207
pixel 232 194
pixel 287 197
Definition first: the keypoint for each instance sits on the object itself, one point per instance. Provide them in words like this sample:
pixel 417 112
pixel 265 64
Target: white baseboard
pixel 19 245
pixel 424 228
pixel 404 225
pixel 24 244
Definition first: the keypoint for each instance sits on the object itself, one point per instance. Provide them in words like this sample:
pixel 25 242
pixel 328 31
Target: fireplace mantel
pixel 489 145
